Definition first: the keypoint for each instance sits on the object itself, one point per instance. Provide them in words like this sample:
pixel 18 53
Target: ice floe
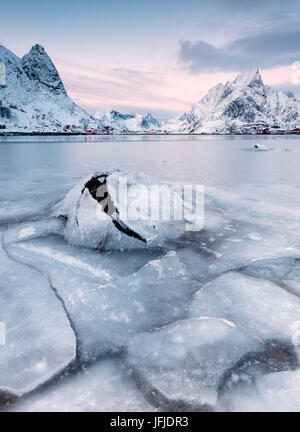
pixel 103 387
pixel 273 392
pixel 260 306
pixel 179 367
pixel 108 299
pixel 40 342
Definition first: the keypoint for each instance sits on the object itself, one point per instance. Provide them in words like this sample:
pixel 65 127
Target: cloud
pixel 95 87
pixel 264 50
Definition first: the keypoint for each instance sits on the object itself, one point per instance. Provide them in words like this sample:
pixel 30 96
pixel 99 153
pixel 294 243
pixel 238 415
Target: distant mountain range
pixel 133 122
pixel 33 99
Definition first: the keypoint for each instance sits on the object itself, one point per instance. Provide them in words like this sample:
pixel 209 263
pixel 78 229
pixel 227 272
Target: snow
pixel 34 100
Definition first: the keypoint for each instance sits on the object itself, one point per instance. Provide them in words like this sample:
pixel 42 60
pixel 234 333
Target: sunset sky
pixel 158 56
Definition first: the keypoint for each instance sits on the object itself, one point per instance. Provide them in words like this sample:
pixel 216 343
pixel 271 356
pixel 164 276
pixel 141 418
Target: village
pixel 262 129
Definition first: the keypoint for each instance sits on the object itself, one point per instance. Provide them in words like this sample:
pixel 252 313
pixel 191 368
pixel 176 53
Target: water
pixel 252 213
pixel 206 159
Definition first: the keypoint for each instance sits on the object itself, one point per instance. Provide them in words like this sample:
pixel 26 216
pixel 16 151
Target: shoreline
pixel 3 134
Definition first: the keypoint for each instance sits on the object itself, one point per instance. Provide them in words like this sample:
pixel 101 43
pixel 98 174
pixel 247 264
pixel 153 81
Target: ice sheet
pixel 180 366
pixel 259 305
pixel 39 340
pixel 109 299
pixel 273 392
pixel 103 387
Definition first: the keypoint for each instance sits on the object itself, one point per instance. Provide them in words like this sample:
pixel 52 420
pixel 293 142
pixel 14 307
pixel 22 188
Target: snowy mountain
pixel 132 122
pixel 237 104
pixel 34 99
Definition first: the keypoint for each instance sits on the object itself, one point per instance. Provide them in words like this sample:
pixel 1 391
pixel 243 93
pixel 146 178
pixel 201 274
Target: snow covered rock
pixel 258 305
pixel 34 98
pixel 118 209
pixel 239 103
pixel 179 367
pixel 40 342
pixel 261 147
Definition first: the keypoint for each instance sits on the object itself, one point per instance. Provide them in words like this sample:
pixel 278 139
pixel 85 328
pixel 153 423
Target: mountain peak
pixel 33 98
pixel 249 76
pixel 242 103
pixel 39 67
pixel 37 49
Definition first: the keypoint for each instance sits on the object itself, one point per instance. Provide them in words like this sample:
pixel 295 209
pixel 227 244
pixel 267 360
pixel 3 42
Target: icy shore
pixel 200 321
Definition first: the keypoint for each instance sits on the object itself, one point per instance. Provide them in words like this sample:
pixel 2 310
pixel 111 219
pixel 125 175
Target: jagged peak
pixel 37 48
pixel 248 76
pixel 39 67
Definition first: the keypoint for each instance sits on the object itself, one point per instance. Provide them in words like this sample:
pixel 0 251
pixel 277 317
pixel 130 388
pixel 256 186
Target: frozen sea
pixel 207 321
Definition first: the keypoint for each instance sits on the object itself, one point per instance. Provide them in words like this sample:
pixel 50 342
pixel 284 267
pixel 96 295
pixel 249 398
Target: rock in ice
pixel 118 209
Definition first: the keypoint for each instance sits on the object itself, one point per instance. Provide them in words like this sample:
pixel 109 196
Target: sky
pixel 158 56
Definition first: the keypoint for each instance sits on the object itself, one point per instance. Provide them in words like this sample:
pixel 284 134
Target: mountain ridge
pixel 132 122
pixel 34 99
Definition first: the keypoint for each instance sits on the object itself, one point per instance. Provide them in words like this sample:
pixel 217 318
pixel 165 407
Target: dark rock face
pixel 5 112
pixel 39 67
pixel 149 121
